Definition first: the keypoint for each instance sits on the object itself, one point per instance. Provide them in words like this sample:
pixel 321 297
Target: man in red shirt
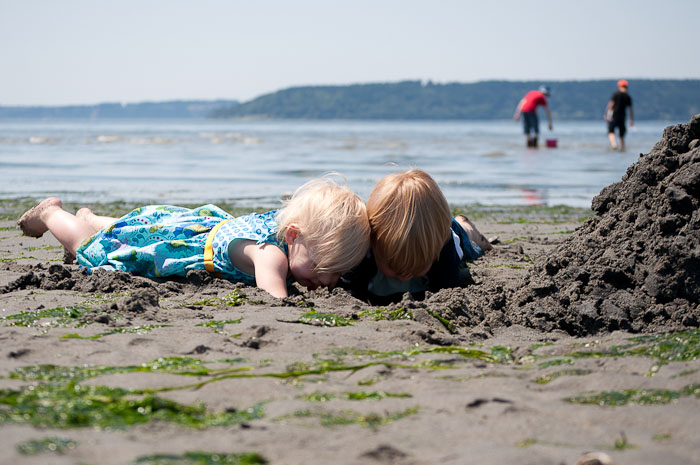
pixel 528 109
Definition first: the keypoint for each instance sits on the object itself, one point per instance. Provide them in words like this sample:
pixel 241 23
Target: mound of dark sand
pixel 635 264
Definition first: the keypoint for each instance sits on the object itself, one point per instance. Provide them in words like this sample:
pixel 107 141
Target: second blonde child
pixel 416 244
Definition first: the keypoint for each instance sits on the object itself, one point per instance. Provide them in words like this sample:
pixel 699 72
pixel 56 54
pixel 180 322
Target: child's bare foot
pixel 474 233
pixel 32 223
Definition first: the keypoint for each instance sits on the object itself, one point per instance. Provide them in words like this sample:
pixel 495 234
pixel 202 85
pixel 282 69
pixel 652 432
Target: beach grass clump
pixel 635 396
pixel 323 319
pixel 202 458
pixel 71 405
pixel 55 445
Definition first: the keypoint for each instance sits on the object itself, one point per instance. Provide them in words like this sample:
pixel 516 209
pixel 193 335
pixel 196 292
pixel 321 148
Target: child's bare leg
pixel 97 222
pixel 474 235
pixel 49 215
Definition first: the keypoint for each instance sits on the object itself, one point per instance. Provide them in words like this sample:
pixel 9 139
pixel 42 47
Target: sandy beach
pixel 577 336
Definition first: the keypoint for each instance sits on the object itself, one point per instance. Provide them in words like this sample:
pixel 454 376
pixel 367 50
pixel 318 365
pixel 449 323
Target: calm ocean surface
pixel 254 163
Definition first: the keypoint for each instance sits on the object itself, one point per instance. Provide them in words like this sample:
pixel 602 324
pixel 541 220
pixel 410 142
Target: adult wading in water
pixel 527 108
pixel 616 113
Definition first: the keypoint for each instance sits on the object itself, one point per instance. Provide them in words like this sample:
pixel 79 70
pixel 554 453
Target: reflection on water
pixel 254 163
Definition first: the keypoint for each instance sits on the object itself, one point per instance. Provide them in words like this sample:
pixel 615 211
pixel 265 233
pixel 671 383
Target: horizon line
pixel 241 101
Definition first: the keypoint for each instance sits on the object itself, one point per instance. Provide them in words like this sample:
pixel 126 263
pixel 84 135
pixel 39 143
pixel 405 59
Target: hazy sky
pixel 90 51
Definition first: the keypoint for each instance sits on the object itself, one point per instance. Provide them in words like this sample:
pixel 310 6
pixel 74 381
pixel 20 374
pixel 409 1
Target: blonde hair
pixel 332 220
pixel 410 221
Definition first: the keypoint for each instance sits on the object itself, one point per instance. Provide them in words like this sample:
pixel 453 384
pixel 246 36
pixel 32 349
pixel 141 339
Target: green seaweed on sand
pixel 218 325
pixel 661 437
pixel 350 417
pixel 135 330
pixel 507 265
pixel 444 321
pixel 555 362
pixel 549 377
pixel 21 257
pixel 536 214
pixel 304 304
pixel 184 366
pixel 192 367
pixel 685 373
pixel 323 319
pixel 352 395
pixel 682 346
pixel 386 314
pixel 635 396
pixel 50 444
pixel 368 381
pixel 502 354
pixel 527 442
pixel 202 458
pixel 43 247
pixel 71 405
pixel 63 316
pixel 497 354
pixel 232 299
pixel 622 443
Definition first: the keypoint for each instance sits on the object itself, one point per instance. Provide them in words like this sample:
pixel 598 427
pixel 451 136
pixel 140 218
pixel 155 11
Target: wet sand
pixel 446 386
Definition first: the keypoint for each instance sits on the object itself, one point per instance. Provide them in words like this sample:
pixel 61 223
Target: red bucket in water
pixel 551 143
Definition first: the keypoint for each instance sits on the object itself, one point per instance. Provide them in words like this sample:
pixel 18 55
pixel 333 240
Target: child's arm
pixel 271 268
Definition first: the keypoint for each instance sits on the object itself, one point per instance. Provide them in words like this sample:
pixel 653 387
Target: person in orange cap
pixel 616 113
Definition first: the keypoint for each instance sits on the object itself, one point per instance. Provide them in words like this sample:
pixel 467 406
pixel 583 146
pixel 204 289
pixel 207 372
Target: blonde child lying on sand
pixel 416 244
pixel 321 232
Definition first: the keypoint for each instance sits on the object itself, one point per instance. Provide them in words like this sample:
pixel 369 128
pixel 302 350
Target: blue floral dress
pixel 164 240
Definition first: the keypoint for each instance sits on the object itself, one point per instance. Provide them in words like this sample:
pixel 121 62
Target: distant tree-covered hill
pixel 171 109
pixel 653 99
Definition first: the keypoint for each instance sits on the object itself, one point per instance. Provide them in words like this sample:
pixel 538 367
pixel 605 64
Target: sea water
pixel 255 163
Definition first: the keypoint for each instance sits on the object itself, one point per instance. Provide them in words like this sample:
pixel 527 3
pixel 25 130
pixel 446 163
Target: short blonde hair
pixel 410 221
pixel 332 220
